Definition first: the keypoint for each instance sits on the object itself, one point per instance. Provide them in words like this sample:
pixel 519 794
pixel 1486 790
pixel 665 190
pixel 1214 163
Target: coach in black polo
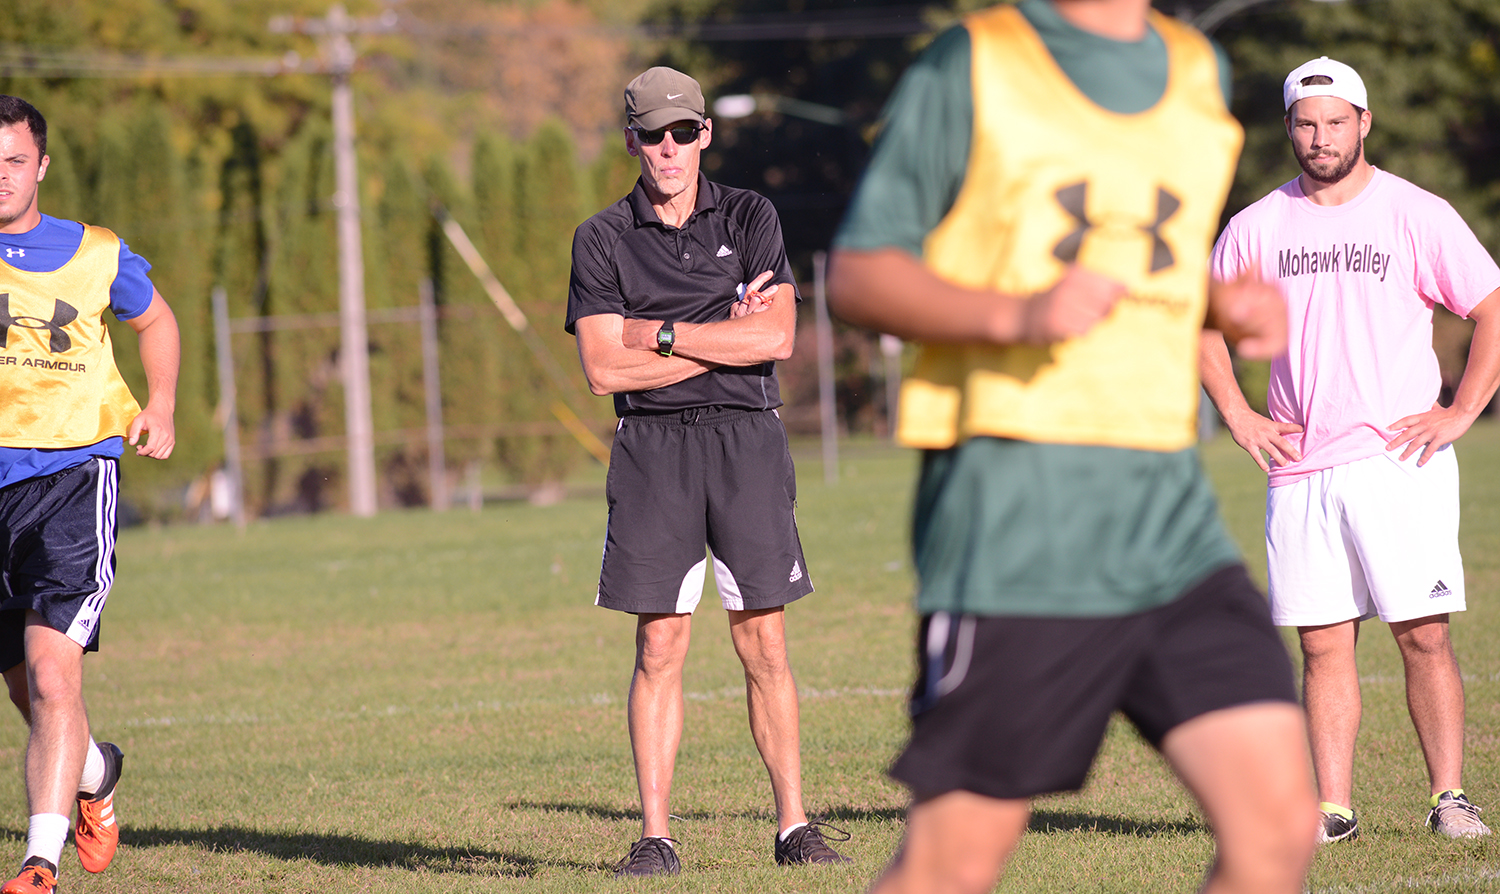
pixel 682 300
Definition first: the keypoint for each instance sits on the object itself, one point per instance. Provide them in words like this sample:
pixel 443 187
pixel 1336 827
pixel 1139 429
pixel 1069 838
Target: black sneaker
pixel 650 856
pixel 1337 827
pixel 806 845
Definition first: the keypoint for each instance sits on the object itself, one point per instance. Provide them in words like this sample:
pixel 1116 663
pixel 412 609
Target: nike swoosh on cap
pixel 673 95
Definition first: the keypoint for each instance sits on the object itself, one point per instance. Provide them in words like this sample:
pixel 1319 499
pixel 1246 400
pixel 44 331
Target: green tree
pixel 398 263
pixel 153 208
pixel 471 356
pixel 305 360
pixel 614 174
pixel 241 266
pixel 496 206
pixel 553 196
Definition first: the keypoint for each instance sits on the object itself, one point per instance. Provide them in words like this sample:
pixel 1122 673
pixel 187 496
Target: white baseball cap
pixel 1346 83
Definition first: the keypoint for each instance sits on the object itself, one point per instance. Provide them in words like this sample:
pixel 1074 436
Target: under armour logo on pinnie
pixel 796 573
pixel 724 251
pixel 15 252
pixel 1439 591
pixel 62 314
pixel 1074 200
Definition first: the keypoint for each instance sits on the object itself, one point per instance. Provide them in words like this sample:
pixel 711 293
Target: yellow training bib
pixel 1054 179
pixel 58 383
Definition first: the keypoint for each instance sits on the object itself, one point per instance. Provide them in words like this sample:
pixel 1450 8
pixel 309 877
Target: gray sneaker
pixel 1454 816
pixel 650 856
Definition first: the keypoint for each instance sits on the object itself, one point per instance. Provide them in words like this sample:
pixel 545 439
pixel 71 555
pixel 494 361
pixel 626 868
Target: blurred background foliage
pixel 508 113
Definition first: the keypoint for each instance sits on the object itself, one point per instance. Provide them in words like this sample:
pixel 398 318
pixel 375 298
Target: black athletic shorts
pixel 1015 707
pixel 710 477
pixel 57 534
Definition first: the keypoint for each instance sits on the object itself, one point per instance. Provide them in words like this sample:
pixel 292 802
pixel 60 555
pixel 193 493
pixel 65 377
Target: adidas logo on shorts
pixel 1439 591
pixel 796 573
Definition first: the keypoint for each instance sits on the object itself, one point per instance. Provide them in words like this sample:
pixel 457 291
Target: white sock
pixel 93 770
pixel 789 830
pixel 45 837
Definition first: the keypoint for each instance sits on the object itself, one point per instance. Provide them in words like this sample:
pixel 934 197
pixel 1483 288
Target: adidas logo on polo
pixel 796 573
pixel 1439 591
pixel 724 251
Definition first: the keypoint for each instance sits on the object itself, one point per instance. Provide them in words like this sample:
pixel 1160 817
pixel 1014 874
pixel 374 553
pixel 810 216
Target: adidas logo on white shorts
pixel 1439 591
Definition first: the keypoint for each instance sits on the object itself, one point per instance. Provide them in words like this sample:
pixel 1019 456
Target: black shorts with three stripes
pixel 57 537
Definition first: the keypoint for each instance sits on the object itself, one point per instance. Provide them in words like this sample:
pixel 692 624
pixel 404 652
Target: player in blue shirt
pixel 65 414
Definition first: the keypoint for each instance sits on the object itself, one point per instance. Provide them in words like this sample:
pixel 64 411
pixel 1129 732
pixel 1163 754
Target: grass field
pixel 430 703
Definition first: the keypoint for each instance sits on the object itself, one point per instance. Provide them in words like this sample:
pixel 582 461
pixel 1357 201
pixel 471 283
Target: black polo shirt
pixel 627 262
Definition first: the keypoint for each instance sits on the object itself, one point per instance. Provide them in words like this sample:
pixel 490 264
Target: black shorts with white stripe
pixel 57 536
pixel 710 478
pixel 1016 707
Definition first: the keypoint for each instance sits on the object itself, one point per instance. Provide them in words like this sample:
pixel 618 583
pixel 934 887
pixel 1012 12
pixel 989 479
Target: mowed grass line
pixel 430 702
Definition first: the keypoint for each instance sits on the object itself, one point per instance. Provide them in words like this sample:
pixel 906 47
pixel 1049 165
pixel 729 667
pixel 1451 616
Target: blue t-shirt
pixel 42 249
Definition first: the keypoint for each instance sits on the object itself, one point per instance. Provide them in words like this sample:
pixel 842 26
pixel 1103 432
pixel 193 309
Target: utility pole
pixel 354 351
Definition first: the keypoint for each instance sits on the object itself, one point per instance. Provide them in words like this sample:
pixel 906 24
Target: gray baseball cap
pixel 661 96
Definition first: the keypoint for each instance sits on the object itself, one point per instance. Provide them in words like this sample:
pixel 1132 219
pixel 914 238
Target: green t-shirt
pixel 1007 527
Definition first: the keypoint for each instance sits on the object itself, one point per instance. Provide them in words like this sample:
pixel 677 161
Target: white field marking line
pixel 597 699
pixel 1412 884
pixel 1388 679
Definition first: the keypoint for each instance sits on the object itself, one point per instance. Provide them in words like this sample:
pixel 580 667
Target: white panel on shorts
pixel 1375 537
pixel 729 588
pixel 690 591
pixel 106 494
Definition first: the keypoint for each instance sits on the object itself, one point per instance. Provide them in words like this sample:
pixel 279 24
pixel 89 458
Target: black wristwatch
pixel 665 338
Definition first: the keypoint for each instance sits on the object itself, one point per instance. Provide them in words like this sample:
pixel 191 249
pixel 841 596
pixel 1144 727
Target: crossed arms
pixel 619 355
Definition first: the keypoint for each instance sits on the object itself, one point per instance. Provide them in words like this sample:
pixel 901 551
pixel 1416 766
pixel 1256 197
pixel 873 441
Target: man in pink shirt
pixel 1362 510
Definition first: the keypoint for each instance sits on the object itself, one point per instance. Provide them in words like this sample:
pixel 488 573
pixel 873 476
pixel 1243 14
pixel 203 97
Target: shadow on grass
pixel 595 811
pixel 1042 820
pixel 1070 821
pixel 347 850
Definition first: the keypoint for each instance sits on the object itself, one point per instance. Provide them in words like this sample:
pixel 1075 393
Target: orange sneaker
pixel 37 877
pixel 97 835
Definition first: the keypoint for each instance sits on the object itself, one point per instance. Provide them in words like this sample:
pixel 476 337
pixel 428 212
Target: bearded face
pixel 1328 137
pixel 1326 164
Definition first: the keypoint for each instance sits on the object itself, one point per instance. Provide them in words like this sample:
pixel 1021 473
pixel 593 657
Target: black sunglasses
pixel 681 135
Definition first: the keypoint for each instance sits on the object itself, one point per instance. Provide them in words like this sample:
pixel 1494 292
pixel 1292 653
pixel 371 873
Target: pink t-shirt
pixel 1360 281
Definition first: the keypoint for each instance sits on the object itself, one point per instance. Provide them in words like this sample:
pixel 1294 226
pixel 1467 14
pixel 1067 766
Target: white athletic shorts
pixel 1375 537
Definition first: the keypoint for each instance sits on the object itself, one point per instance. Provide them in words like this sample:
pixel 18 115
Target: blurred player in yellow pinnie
pixel 1023 219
